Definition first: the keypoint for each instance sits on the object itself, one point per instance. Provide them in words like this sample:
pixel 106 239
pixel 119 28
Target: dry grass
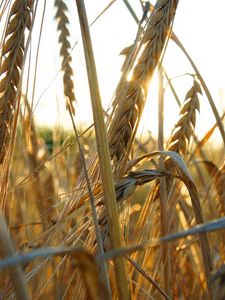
pixel 128 219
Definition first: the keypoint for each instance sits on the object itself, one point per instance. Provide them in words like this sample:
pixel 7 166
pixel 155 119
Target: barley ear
pixel 65 49
pixel 185 126
pixel 129 109
pixel 11 66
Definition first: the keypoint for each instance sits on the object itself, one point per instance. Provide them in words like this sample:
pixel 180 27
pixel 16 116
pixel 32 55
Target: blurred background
pixel 199 24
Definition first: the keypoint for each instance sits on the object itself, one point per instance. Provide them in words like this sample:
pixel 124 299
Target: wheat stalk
pixel 7 249
pixel 65 49
pixel 103 153
pixel 10 70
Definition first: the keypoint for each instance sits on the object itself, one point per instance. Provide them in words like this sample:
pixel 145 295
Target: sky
pixel 199 25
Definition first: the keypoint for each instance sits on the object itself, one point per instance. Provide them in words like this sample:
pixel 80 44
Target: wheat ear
pixel 184 128
pixel 129 109
pixel 65 49
pixel 10 70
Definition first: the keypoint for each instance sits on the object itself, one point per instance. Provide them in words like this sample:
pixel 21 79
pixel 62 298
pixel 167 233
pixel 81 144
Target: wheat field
pixel 98 211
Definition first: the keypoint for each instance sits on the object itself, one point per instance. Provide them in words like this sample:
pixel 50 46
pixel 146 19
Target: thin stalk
pixel 16 273
pixel 207 136
pixel 171 87
pixel 147 277
pixel 162 188
pixel 103 266
pixel 131 11
pixel 103 153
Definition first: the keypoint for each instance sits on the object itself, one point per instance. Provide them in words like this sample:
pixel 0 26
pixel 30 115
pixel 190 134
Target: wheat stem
pixel 103 151
pixel 7 249
pixel 103 266
pixel 164 218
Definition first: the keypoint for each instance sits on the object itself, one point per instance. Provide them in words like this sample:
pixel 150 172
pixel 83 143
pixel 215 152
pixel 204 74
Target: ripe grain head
pixel 10 70
pixel 184 128
pixel 65 49
pixel 130 106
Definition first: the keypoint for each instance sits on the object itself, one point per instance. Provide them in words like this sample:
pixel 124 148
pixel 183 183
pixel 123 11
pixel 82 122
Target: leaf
pixel 179 163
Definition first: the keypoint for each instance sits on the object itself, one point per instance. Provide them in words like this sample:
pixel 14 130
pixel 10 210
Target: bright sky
pixel 198 24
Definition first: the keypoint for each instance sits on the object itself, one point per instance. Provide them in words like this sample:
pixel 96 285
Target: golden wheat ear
pixel 129 109
pixel 65 49
pixel 10 71
pixel 184 128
